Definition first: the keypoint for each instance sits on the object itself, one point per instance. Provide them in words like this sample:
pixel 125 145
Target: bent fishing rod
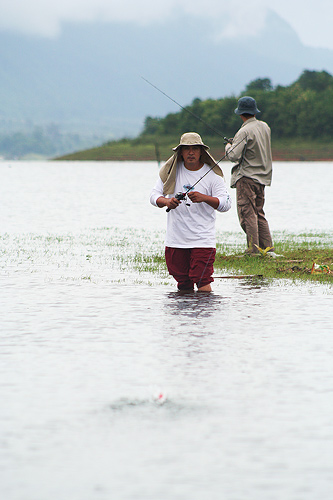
pixel 182 196
pixel 187 110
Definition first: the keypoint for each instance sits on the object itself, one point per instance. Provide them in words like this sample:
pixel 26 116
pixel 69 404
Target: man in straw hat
pixel 190 245
pixel 251 150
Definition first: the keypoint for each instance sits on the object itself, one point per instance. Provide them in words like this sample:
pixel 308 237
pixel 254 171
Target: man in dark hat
pixel 250 149
pixel 190 245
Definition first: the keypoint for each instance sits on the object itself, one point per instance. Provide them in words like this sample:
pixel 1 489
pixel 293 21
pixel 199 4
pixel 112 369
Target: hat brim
pixel 180 145
pixel 246 112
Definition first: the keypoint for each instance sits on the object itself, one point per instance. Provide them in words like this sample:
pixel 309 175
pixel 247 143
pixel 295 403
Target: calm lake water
pixel 114 386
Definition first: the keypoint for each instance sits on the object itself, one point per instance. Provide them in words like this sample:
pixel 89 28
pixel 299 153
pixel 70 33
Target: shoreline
pixel 139 150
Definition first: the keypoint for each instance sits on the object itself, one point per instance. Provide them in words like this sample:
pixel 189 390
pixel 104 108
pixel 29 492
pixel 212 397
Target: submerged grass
pixel 298 253
pixel 114 254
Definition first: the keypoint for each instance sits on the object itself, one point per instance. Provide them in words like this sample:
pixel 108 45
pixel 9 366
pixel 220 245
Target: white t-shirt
pixel 192 225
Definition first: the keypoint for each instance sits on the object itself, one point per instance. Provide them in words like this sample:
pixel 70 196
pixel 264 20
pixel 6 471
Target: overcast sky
pixel 311 19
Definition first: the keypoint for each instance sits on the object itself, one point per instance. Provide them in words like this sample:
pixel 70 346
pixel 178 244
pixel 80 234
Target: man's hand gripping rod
pixel 182 196
pixel 179 196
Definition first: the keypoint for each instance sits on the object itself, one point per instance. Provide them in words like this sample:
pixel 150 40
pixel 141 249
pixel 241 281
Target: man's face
pixel 191 154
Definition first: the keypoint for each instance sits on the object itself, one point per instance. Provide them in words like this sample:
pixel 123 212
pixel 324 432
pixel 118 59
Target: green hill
pixel 300 116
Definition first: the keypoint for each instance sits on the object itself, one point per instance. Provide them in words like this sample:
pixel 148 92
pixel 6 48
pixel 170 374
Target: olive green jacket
pixel 251 150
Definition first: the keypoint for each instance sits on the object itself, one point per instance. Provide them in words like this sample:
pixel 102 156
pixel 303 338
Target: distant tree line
pixel 303 109
pixel 45 141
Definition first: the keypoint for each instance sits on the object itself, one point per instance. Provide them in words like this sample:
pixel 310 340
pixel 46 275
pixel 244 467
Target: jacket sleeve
pixel 235 150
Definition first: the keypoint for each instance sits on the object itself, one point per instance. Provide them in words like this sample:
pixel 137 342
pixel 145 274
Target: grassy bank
pixel 295 264
pixel 303 257
pixel 159 149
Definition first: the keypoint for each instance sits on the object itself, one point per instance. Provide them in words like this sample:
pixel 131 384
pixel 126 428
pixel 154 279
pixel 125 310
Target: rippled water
pixel 113 385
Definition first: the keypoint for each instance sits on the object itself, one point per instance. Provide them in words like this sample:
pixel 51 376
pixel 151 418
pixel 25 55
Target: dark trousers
pixel 250 203
pixel 190 265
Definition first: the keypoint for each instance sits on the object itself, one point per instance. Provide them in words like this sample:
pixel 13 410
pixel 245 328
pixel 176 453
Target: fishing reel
pixel 180 197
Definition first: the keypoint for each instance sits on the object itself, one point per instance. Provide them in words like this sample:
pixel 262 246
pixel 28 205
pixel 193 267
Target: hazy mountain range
pixel 88 80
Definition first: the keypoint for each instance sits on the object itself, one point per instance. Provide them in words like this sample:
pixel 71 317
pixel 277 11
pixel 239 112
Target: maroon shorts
pixel 190 266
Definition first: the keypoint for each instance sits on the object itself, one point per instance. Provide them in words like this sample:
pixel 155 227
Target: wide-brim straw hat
pixel 169 169
pixel 190 139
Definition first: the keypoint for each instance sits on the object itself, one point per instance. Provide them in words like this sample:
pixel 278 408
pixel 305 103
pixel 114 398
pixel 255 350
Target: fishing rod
pixel 187 110
pixel 182 196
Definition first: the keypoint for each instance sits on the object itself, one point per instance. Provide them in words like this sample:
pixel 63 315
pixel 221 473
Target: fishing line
pixel 200 119
pixel 181 196
pixel 185 109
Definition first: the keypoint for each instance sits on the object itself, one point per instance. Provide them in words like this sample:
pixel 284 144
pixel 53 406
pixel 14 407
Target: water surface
pixel 90 341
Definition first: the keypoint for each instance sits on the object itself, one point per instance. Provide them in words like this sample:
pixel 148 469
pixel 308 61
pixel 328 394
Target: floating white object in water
pixel 159 396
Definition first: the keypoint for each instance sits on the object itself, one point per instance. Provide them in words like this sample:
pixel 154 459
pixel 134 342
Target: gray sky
pixel 311 19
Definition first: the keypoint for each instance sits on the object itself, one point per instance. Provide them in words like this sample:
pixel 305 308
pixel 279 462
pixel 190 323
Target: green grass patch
pixel 297 256
pixel 298 253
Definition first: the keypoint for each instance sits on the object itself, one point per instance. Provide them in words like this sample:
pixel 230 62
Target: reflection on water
pixel 115 385
pixel 192 304
pixel 254 283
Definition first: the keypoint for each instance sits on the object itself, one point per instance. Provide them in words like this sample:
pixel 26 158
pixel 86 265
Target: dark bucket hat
pixel 247 105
